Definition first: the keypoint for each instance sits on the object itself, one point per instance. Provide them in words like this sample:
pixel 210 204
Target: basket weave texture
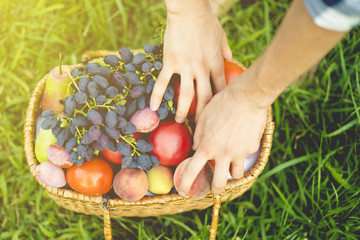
pixel 149 205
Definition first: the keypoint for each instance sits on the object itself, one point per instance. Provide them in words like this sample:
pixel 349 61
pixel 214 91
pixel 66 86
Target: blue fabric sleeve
pixel 336 15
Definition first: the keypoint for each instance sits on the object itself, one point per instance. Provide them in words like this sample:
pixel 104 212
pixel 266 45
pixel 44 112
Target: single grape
pixel 112 92
pixel 112 60
pixel 83 82
pixel 69 105
pixel 96 146
pixel 120 110
pixel 169 93
pixel 129 128
pixel 144 145
pixel 82 149
pixel 150 86
pixel 100 100
pixel 74 157
pixel 130 67
pixel 79 121
pixel 70 145
pixel 121 122
pixel 130 108
pixel 112 133
pixel 144 162
pixel 49 123
pixel 94 132
pixel 75 73
pixel 163 111
pixel 93 89
pixel 139 58
pixel 132 78
pixel 126 54
pixel 137 91
pixel 80 97
pixel 157 65
pixel 112 145
pixel 56 130
pixel 126 160
pixel 48 113
pixel 111 119
pixel 156 48
pixel 105 71
pixel 123 148
pixel 154 160
pixel 79 161
pixel 72 128
pixel 104 141
pixel 101 81
pixel 63 136
pixel 95 117
pixel 146 67
pixel 91 65
pixel 147 48
pixel 141 102
pixel 118 79
pixel 85 139
pixel 94 71
pixel 173 110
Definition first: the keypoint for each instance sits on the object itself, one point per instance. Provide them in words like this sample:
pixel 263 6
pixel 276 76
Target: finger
pixel 191 171
pixel 225 49
pixel 160 88
pixel 199 131
pixel 203 91
pixel 237 168
pixel 185 97
pixel 218 75
pixel 220 175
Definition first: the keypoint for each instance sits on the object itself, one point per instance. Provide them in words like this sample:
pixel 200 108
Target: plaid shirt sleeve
pixel 336 15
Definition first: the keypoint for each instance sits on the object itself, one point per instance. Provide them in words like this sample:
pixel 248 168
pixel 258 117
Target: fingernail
pixel 179 120
pixel 182 194
pixel 153 107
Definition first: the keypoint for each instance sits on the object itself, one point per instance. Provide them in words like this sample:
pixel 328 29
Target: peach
pixel 58 156
pixel 202 183
pixel 50 175
pixel 160 179
pixel 145 120
pixel 131 184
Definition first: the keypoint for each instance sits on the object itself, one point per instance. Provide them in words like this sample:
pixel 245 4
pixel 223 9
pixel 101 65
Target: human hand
pixel 195 47
pixel 229 128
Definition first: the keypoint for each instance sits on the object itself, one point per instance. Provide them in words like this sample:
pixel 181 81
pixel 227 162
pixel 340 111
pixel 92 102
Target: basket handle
pixel 214 221
pixel 107 219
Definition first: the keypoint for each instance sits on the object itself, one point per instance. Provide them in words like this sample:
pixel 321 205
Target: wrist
pixel 256 84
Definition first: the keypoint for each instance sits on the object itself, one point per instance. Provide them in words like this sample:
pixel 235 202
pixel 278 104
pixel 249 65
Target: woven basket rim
pixel 29 132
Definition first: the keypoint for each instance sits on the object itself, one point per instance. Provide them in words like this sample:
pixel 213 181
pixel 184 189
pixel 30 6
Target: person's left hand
pixel 229 128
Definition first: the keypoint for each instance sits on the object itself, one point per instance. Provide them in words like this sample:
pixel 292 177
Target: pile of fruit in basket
pixel 96 123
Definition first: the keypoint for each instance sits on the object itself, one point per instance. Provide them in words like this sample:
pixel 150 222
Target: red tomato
pixel 172 143
pixel 92 178
pixel 231 70
pixel 192 109
pixel 115 156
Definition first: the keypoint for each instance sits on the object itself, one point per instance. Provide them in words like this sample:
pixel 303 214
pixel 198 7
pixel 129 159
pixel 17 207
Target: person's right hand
pixel 195 47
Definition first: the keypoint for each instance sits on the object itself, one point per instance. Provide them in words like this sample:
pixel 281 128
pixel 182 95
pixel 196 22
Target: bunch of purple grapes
pixel 106 93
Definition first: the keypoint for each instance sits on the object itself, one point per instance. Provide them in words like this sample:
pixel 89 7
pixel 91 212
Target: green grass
pixel 308 190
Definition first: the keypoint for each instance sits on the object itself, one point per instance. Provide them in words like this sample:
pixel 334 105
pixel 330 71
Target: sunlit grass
pixel 310 187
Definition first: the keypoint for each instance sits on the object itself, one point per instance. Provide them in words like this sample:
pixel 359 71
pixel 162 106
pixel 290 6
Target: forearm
pixel 175 7
pixel 296 47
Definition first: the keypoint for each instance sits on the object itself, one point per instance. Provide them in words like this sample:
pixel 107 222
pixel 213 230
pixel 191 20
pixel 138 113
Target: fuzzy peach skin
pixel 202 183
pixel 131 184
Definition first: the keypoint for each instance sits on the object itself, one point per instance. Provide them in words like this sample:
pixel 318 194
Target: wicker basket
pixel 149 205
